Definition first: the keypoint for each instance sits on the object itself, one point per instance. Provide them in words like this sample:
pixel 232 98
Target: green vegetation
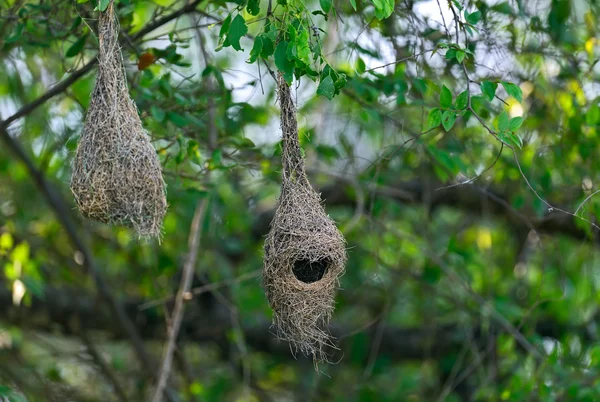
pixel 455 143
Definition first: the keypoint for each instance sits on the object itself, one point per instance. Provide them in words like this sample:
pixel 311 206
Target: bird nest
pixel 117 176
pixel 305 253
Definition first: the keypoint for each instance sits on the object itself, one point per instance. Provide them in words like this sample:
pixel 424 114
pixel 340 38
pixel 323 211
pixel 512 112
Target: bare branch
pixel 182 294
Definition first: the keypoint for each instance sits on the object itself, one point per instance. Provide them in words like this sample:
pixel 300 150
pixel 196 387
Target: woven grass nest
pixel 117 176
pixel 305 253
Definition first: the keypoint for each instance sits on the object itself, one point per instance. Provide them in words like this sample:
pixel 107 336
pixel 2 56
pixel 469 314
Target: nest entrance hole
pixel 310 271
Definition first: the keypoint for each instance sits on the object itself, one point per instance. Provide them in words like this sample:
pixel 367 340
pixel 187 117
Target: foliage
pixel 455 143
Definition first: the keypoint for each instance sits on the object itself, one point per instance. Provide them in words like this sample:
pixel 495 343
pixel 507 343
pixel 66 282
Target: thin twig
pixel 585 201
pixel 182 294
pixel 414 56
pixel 203 289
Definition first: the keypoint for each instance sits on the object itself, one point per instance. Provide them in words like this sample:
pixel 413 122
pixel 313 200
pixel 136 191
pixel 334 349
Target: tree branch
pixel 59 306
pixel 67 82
pixel 182 294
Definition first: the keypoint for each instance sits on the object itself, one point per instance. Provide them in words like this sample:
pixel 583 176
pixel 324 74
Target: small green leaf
pixel 158 113
pixel 510 138
pixel 445 97
pixel 177 119
pixel 516 139
pixel 474 18
pixel 462 100
pixel 225 27
pixel 325 5
pixel 593 115
pixel 503 121
pixel 16 35
pixel 448 119
pixel 434 118
pixel 237 29
pixel 256 49
pixel 503 8
pixel 353 3
pixel 76 47
pixel 282 62
pixel 103 5
pixel 513 90
pixel 460 56
pixel 253 7
pixel 383 8
pixel 302 47
pixel 267 47
pixel 450 54
pixel 360 66
pixel 489 89
pixel 515 123
pixel 326 88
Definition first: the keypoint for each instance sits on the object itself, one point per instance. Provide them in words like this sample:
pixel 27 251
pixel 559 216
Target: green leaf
pixel 325 5
pixel 450 54
pixel 457 4
pixel 103 5
pixel 460 56
pixel 16 35
pixel 503 121
pixel 302 47
pixel 489 89
pixel 177 119
pixel 441 156
pixel 462 100
pixel 515 123
pixel 448 119
pixel 434 118
pixel 158 113
pixel 445 97
pixel 256 49
pixel 593 115
pixel 223 40
pixel 253 7
pixel 353 3
pixel 383 8
pixel 225 27
pixel 76 47
pixel 326 88
pixel 513 90
pixel 267 47
pixel 360 66
pixel 283 63
pixel 237 29
pixel 510 138
pixel 503 8
pixel 474 18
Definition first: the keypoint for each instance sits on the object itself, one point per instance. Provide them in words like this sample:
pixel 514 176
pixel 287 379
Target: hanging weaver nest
pixel 304 251
pixel 117 177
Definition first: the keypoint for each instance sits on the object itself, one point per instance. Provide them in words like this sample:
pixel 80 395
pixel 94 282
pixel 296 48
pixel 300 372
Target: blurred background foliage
pixel 473 270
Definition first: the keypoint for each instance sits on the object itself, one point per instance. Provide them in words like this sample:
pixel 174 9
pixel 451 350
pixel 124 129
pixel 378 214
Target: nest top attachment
pixel 117 176
pixel 305 253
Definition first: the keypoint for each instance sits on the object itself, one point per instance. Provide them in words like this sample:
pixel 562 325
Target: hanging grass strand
pixel 305 253
pixel 117 176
